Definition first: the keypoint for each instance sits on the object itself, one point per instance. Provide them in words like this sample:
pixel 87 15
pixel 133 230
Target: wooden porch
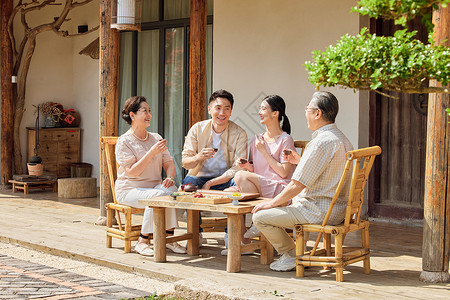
pixel 65 227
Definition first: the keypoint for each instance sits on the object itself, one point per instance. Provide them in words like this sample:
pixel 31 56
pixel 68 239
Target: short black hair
pixel 222 94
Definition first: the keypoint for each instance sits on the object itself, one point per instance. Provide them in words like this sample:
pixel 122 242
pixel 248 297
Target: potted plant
pixel 52 113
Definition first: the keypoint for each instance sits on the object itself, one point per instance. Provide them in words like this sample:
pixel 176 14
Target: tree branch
pixel 66 34
pixel 75 4
pixel 40 6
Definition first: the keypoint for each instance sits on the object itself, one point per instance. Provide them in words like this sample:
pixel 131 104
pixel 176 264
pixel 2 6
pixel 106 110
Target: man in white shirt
pixel 312 185
pixel 212 146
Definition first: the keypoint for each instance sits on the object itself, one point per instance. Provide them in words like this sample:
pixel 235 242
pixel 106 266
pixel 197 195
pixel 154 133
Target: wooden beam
pixel 197 62
pixel 435 247
pixel 7 94
pixel 109 91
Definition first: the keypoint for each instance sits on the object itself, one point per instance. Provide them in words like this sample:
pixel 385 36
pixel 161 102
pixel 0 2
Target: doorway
pixel 399 127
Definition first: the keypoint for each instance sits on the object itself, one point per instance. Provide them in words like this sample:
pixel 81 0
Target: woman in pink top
pixel 141 156
pixel 266 171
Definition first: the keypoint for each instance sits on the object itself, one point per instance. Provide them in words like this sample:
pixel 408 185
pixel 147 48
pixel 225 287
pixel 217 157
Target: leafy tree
pixel 399 63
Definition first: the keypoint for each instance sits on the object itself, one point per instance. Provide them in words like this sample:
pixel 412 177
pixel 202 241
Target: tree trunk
pixel 435 248
pixel 7 95
pixel 197 62
pixel 20 103
pixel 109 82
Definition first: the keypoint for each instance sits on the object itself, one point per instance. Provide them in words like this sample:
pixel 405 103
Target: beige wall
pixel 58 73
pixel 260 46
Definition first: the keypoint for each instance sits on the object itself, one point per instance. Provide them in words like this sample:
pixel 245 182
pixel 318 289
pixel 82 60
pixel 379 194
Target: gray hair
pixel 327 103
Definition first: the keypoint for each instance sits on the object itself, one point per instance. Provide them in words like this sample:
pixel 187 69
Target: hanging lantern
pixel 126 14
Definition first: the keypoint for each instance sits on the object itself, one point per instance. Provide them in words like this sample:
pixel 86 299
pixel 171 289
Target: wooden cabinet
pixel 58 148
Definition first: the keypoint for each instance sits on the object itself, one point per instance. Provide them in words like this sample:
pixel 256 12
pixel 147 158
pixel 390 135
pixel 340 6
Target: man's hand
pixel 293 157
pixel 205 154
pixel 207 185
pixel 263 205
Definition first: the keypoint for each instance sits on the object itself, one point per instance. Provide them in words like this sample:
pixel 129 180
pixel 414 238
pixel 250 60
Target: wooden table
pixel 26 186
pixel 233 213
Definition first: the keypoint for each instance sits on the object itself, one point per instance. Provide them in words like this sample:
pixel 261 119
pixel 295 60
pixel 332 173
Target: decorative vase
pixel 35 169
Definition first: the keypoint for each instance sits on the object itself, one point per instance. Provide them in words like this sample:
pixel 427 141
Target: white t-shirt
pixel 216 165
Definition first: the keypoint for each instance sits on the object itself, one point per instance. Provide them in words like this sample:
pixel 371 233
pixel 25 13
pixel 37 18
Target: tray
pixel 215 197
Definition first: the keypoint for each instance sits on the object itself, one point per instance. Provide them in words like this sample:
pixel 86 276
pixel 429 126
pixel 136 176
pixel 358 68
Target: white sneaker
pixel 284 264
pixel 143 249
pixel 176 248
pixel 252 232
pixel 225 251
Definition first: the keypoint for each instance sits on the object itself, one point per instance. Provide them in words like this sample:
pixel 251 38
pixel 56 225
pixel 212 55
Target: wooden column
pixel 7 94
pixel 435 248
pixel 109 90
pixel 197 62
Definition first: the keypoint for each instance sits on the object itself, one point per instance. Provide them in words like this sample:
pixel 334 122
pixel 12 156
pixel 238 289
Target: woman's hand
pixel 293 157
pixel 260 144
pixel 168 182
pixel 243 163
pixel 159 147
pixel 205 153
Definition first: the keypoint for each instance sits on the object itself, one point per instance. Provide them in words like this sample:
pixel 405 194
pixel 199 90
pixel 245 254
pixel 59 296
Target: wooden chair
pixel 125 231
pixel 300 145
pixel 339 256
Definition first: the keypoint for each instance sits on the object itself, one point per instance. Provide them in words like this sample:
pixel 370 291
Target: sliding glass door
pixel 154 64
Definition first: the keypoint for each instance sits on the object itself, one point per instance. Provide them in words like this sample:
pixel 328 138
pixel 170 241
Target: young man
pixel 312 185
pixel 212 146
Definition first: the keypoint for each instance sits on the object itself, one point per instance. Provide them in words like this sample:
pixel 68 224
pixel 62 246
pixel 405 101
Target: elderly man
pixel 313 184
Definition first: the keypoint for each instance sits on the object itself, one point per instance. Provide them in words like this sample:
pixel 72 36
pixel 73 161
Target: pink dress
pixel 270 182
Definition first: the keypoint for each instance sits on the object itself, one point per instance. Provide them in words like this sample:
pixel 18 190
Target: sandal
pixel 143 249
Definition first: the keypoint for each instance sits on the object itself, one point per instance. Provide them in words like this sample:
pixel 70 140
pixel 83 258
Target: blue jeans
pixel 200 181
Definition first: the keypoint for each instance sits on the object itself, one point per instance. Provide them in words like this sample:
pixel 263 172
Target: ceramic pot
pixel 35 169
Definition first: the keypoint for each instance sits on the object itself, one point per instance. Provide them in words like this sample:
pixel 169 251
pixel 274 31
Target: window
pixel 154 64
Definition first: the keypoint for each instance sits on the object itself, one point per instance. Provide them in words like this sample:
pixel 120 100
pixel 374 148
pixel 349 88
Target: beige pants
pixel 272 222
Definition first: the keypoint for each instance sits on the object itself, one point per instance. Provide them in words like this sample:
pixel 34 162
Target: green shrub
pixel 368 62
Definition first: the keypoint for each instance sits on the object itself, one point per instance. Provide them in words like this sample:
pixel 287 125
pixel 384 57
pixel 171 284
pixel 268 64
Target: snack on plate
pixel 198 195
pixel 236 194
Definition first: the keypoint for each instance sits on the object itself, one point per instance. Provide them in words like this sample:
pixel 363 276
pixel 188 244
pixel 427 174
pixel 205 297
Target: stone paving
pixel 21 279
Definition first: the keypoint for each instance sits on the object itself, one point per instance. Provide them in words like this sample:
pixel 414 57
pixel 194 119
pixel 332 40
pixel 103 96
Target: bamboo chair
pixel 125 231
pixel 339 256
pixel 300 145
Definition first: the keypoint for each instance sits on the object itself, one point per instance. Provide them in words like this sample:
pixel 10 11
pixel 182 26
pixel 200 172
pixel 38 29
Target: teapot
pixel 190 187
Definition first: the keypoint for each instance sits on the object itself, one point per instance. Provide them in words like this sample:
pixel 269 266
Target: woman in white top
pixel 141 155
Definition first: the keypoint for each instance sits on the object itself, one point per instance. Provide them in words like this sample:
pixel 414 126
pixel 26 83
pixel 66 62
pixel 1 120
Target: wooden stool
pixel 79 187
pixel 26 186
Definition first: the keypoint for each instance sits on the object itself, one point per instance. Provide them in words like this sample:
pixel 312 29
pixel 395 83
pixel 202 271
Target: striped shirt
pixel 319 170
